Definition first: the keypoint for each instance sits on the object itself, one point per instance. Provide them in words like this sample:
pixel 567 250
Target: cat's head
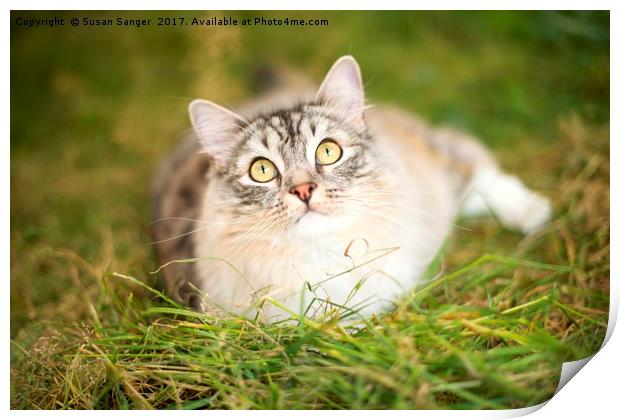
pixel 302 170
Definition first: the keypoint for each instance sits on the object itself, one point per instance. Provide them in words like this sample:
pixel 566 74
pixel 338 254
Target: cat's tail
pixel 268 78
pixel 276 86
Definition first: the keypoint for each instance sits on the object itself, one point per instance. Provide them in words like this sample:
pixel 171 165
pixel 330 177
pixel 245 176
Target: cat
pixel 300 203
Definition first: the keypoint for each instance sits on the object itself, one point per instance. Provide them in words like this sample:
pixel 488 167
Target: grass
pixel 489 328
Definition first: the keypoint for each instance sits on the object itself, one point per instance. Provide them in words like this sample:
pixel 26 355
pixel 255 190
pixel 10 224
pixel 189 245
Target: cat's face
pixel 302 167
pixel 298 171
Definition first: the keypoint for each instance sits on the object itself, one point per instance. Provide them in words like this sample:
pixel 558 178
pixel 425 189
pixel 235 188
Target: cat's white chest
pixel 364 269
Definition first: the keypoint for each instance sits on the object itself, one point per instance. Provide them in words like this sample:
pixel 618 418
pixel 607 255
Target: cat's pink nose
pixel 304 191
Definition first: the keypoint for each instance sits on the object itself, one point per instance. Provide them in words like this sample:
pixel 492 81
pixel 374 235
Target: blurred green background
pixel 93 109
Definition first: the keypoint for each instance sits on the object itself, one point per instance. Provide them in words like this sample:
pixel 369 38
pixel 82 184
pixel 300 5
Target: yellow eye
pixel 262 170
pixel 328 152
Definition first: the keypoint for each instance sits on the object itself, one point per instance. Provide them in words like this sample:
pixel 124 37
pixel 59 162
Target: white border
pixel 592 393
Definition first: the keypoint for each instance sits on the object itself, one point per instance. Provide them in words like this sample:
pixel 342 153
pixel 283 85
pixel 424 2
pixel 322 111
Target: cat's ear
pixel 342 89
pixel 214 125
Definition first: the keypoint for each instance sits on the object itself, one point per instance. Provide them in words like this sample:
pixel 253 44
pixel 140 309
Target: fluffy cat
pixel 320 203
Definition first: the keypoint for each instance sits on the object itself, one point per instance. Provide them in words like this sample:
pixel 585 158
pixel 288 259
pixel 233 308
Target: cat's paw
pixel 537 212
pixel 506 197
pixel 517 207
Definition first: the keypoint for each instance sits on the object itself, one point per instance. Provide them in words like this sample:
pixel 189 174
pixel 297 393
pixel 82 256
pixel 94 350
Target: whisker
pixel 176 236
pixel 387 205
pixel 172 219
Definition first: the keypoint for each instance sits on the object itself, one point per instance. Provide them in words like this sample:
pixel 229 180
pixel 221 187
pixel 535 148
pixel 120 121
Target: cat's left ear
pixel 343 91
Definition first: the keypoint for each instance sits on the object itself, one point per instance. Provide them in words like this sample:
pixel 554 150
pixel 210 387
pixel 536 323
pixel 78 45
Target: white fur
pixel 505 196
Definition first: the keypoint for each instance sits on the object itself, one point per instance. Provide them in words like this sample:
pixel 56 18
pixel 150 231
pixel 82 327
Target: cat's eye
pixel 263 170
pixel 328 152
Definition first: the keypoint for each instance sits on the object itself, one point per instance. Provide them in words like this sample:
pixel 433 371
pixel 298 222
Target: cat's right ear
pixel 342 89
pixel 214 125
